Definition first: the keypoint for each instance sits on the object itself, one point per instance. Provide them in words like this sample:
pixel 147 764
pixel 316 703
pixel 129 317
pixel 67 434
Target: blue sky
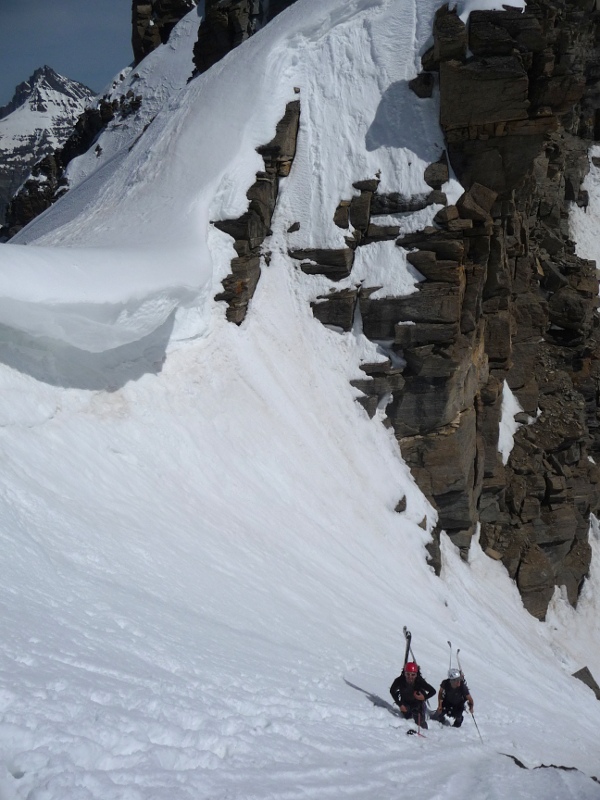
pixel 87 40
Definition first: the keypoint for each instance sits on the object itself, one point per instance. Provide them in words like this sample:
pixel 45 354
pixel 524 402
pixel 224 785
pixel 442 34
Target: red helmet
pixel 411 668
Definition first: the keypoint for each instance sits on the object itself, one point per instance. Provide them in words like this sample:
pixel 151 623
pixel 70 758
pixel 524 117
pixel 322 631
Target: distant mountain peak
pixel 38 89
pixel 39 118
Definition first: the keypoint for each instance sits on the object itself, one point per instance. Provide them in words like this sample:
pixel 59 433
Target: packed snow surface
pixel 204 577
pixel 508 424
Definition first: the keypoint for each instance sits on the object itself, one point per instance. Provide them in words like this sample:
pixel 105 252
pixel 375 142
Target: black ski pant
pixel 415 711
pixel 456 712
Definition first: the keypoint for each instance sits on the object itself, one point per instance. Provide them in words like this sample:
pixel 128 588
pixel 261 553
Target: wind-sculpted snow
pixel 94 299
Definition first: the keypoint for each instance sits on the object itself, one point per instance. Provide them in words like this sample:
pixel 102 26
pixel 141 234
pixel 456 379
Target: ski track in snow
pixel 204 578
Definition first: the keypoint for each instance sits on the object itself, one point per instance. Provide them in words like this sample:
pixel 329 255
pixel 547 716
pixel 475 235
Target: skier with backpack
pixel 452 696
pixel 410 691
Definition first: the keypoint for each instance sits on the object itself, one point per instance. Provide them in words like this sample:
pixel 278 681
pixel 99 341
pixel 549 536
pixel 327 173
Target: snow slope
pixel 204 578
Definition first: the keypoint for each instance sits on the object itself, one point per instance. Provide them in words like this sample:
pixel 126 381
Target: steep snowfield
pixel 204 578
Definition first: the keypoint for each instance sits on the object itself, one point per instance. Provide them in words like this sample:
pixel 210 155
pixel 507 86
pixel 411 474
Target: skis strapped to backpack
pixel 462 674
pixel 408 637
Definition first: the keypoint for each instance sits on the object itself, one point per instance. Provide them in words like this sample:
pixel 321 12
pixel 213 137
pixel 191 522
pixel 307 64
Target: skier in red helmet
pixel 410 691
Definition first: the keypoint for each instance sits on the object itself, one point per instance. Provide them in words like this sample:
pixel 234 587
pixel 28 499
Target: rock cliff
pixel 518 114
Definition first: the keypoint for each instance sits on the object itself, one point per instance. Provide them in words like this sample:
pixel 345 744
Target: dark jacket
pixel 454 696
pixel 403 692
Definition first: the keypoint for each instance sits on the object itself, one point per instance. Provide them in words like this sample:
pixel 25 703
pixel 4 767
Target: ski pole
pixel 476 725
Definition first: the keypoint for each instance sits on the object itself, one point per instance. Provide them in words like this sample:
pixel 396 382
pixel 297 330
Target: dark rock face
pixel 227 23
pixel 152 22
pixel 492 90
pixel 251 229
pixel 275 7
pixel 518 117
pixel 586 677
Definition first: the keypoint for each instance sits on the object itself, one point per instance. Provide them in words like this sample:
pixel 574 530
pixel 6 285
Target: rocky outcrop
pixel 226 24
pixel 152 22
pixel 275 7
pixel 251 229
pixel 586 677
